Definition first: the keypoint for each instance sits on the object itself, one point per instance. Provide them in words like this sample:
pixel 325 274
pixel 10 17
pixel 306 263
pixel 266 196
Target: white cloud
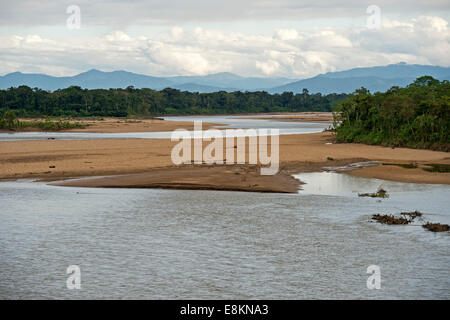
pixel 177 32
pixel 33 39
pixel 197 51
pixel 268 67
pixel 286 34
pixel 432 24
pixel 118 36
pixel 184 60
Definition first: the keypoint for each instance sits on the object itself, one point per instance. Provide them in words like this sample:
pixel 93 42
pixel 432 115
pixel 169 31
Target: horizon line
pixel 221 72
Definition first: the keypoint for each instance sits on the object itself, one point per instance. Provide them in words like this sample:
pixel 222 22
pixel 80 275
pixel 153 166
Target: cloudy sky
pixel 264 38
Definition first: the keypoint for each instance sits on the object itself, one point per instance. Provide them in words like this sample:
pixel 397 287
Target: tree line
pixel 417 116
pixel 77 102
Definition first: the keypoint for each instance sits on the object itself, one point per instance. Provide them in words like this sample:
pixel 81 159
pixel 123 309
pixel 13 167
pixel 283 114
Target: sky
pixel 261 38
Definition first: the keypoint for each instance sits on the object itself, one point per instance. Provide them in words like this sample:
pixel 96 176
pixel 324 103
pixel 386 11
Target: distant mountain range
pixel 378 78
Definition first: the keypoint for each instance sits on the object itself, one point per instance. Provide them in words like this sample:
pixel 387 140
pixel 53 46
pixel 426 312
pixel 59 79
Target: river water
pixel 229 122
pixel 153 244
pixel 156 244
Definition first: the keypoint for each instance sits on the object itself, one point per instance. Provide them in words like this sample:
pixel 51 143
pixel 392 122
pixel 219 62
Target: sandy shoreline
pixel 56 159
pixel 119 125
pixel 122 125
pixel 324 117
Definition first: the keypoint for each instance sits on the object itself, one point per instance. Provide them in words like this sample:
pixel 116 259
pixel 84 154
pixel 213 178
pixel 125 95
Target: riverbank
pixel 117 125
pixel 56 159
pixel 324 117
pixel 122 125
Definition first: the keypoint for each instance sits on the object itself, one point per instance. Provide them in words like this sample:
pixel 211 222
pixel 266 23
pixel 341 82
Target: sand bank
pixel 55 159
pixel 117 125
pixel 324 117
pixel 229 178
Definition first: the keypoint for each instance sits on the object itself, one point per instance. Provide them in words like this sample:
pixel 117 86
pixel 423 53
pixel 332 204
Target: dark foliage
pixel 78 102
pixel 417 116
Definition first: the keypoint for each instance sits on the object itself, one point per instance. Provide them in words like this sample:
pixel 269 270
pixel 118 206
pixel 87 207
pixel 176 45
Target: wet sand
pixel 396 173
pixel 228 178
pixel 56 159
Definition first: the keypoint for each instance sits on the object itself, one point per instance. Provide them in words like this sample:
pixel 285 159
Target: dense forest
pixel 417 116
pixel 78 102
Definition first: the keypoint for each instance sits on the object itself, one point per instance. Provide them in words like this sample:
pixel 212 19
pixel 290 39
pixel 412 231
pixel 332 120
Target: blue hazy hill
pixel 379 78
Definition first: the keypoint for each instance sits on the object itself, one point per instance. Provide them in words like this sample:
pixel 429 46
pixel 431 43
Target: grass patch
pixel 381 193
pixel 438 167
pixel 403 165
pixel 45 125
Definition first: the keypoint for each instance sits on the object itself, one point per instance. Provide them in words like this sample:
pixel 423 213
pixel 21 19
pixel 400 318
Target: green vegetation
pixel 402 165
pixel 417 116
pixel 77 102
pixel 9 121
pixel 381 193
pixel 432 167
pixel 438 167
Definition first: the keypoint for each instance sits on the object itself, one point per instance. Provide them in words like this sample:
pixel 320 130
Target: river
pixel 187 244
pixel 153 244
pixel 230 122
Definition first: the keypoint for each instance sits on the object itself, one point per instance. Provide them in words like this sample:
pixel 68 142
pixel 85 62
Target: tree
pixel 75 101
pixel 425 81
pixel 417 116
pixel 9 117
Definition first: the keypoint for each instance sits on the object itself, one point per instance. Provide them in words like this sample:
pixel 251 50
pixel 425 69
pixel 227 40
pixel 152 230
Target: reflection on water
pixel 427 198
pixel 229 121
pixel 338 184
pixel 247 122
pixel 143 243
